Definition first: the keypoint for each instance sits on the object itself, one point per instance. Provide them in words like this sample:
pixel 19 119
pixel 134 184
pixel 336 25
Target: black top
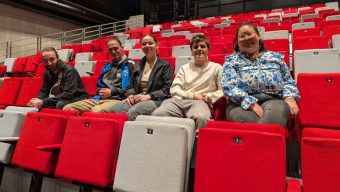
pixel 159 83
pixel 72 86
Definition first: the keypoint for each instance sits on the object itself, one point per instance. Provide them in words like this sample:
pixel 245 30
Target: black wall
pixel 226 7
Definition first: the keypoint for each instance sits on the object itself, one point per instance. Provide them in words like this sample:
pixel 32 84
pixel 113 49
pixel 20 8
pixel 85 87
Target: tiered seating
pixel 240 152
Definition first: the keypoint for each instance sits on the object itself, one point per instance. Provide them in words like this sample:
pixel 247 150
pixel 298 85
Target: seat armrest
pixel 50 148
pixel 9 140
pixel 294 185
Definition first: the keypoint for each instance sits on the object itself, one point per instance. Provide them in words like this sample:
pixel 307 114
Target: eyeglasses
pixel 246 34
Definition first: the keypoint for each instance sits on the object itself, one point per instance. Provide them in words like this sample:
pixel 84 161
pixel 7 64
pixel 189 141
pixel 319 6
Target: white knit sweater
pixel 192 79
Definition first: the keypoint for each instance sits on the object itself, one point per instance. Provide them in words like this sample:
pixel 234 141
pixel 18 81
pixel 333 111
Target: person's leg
pixel 81 106
pixel 142 108
pixel 199 111
pixel 237 114
pixel 104 105
pixel 61 104
pixel 120 108
pixel 275 112
pixel 170 107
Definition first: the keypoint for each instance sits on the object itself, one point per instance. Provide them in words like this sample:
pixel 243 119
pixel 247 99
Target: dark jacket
pixel 117 83
pixel 72 85
pixel 160 80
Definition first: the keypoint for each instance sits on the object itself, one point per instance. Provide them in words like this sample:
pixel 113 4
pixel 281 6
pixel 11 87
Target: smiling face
pixel 115 50
pixel 50 60
pixel 248 40
pixel 149 46
pixel 200 52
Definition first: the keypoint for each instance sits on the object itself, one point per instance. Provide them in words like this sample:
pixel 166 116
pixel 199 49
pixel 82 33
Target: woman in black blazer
pixel 149 85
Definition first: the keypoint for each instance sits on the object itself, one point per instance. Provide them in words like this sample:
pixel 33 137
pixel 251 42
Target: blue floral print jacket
pixel 243 76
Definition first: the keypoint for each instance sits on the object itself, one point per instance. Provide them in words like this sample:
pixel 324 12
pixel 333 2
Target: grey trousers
pixel 142 108
pixel 193 109
pixel 276 111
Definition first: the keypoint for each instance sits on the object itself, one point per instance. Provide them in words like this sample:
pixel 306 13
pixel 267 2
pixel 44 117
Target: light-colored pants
pixel 193 109
pixel 142 108
pixel 92 105
pixel 276 111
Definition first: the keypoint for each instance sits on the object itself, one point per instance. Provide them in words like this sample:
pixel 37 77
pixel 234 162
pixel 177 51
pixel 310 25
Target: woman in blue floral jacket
pixel 257 82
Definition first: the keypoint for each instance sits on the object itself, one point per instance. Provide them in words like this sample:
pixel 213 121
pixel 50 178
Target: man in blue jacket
pixel 112 81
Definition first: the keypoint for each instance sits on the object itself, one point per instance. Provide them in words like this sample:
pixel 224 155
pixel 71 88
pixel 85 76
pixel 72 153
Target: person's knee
pixel 60 105
pixel 280 108
pixel 97 109
pixel 159 113
pixel 133 113
pixel 68 107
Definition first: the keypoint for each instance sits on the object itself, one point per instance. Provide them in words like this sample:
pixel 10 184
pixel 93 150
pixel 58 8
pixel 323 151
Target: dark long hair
pixel 261 43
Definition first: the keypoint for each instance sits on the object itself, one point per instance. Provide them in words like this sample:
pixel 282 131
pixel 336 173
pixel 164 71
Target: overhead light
pixel 62 5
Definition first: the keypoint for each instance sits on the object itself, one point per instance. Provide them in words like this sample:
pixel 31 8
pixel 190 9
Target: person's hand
pixel 35 102
pixel 105 93
pixel 199 97
pixel 294 109
pixel 139 98
pixel 257 109
pixel 130 100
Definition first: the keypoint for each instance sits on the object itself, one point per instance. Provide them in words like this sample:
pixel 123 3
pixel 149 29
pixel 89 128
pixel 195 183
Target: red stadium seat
pixel 100 135
pixel 9 91
pixel 164 52
pixel 29 89
pixel 39 129
pixel 102 55
pixel 89 47
pixel 320 100
pixel 240 152
pixel 217 48
pixel 316 42
pixel 217 58
pixel 90 84
pixel 19 65
pixel 320 159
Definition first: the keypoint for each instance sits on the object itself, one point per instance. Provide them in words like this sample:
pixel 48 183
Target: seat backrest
pixel 136 54
pixel 190 127
pixel 88 151
pixel 99 56
pixel 88 47
pixel 183 50
pixel 19 65
pixel 39 129
pixel 333 18
pixel 303 25
pixel 84 66
pixel 66 113
pixel 316 61
pixel 217 58
pixel 83 56
pixel 90 84
pixel 65 54
pixel 312 42
pixel 217 48
pixel 24 110
pixel 29 89
pixel 306 32
pixel 226 165
pixel 9 62
pixel 336 42
pixel 282 34
pixel 327 86
pixel 10 126
pixel 9 91
pixel 320 159
pixel 182 60
pixel 148 162
pixel 277 44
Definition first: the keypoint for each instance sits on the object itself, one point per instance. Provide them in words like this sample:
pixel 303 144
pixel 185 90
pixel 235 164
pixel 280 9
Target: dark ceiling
pixel 81 12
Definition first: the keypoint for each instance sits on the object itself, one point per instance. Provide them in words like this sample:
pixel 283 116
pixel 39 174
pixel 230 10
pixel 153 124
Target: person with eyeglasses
pixel 257 82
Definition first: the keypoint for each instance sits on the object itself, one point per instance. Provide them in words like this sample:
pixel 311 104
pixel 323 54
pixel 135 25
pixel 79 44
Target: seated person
pixel 149 83
pixel 257 82
pixel 195 88
pixel 112 82
pixel 61 83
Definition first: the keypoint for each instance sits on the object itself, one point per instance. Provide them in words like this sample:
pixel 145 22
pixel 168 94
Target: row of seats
pixel 155 153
